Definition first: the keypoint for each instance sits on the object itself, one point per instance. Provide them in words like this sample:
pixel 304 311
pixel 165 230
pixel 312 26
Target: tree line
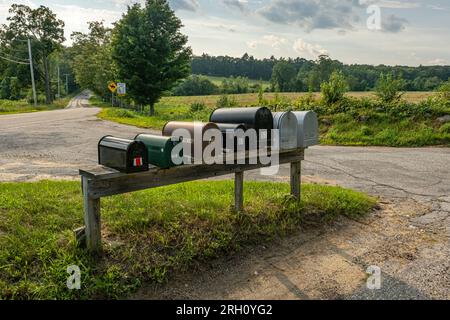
pixel 288 74
pixel 146 50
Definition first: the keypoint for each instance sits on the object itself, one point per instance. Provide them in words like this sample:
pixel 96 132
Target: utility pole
pixel 32 72
pixel 67 83
pixel 59 83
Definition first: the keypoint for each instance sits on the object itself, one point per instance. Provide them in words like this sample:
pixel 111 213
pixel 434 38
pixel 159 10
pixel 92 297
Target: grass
pixel 361 126
pixel 148 235
pixel 22 106
pixel 218 81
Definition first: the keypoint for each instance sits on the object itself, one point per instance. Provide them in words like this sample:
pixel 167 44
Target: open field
pixel 218 81
pixel 148 234
pixel 250 99
pixel 22 106
pixel 409 124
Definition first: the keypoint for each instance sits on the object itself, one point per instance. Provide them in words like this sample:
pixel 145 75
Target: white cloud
pixel 272 41
pixel 438 61
pixel 301 47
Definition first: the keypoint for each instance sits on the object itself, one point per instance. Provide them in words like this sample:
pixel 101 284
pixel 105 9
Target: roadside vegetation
pixel 386 117
pixel 148 235
pixel 23 106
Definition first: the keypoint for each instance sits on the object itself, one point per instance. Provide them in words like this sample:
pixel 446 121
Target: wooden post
pixel 296 172
pixel 91 219
pixel 239 191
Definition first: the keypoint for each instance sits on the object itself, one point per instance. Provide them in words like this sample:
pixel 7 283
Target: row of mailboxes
pixel 296 130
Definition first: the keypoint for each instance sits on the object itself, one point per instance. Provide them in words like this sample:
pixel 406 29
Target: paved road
pixel 414 185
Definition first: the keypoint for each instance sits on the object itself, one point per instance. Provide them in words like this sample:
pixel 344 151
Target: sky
pixel 391 32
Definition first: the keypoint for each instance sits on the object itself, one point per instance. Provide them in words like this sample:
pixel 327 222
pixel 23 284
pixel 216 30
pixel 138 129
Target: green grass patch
pixel 22 106
pixel 147 235
pixel 359 121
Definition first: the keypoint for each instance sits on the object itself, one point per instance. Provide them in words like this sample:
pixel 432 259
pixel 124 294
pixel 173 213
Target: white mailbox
pixel 286 122
pixel 308 129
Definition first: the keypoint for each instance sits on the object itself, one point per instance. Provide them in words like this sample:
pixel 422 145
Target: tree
pixel 283 76
pixel 92 62
pixel 388 88
pixel 195 86
pixel 334 90
pixel 150 51
pixel 45 30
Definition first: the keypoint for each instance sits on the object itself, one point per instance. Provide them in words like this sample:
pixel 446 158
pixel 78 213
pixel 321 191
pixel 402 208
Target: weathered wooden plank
pixel 91 219
pixel 296 168
pixel 239 191
pixel 104 173
pixel 157 178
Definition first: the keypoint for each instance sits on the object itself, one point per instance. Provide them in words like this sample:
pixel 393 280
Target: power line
pixel 14 61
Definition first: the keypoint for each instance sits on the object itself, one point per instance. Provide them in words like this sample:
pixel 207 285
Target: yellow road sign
pixel 112 86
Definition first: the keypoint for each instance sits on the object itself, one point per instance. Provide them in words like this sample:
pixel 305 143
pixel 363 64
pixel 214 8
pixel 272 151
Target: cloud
pixel 438 61
pixel 313 14
pixel 188 5
pixel 236 4
pixel 393 24
pixel 314 50
pixel 272 41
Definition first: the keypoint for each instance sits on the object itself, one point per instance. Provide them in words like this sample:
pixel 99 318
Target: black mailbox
pixel 258 118
pixel 226 129
pixel 124 155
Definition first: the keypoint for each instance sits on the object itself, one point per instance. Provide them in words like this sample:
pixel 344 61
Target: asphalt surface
pixel 55 144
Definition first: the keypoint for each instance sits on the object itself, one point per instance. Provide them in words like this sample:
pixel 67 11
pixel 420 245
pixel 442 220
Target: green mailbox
pixel 160 150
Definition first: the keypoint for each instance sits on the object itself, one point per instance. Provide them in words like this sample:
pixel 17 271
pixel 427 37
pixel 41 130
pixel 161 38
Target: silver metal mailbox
pixel 308 129
pixel 287 124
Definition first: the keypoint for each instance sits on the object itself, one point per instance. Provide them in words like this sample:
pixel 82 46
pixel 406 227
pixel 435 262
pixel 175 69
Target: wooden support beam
pixel 296 172
pixel 91 219
pixel 239 191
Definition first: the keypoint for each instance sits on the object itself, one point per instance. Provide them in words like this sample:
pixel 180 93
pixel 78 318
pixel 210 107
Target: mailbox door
pixel 286 123
pixel 308 129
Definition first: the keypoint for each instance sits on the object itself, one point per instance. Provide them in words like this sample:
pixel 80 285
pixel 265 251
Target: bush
pixel 195 86
pixel 388 88
pixel 235 85
pixel 334 90
pixel 444 91
pixel 226 102
pixel 197 107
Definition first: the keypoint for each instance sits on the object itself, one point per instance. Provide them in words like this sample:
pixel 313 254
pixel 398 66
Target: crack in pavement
pixel 376 183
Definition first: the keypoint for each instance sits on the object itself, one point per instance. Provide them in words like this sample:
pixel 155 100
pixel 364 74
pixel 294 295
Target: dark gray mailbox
pixel 286 123
pixel 253 118
pixel 229 130
pixel 124 155
pixel 308 129
pixel 258 118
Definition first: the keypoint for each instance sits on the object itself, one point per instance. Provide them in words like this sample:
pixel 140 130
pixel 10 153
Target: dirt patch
pixel 329 262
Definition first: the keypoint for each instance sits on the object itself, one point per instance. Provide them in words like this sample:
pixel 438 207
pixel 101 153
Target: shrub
pixel 195 86
pixel 444 91
pixel 445 128
pixel 334 90
pixel 226 102
pixel 197 107
pixel 388 88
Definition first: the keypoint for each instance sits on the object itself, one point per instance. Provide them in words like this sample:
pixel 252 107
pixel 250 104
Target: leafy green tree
pixel 92 62
pixel 283 76
pixel 195 86
pixel 334 90
pixel 5 88
pixel 150 51
pixel 46 31
pixel 388 88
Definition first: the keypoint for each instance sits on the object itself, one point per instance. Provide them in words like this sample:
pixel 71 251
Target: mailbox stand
pixel 99 181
